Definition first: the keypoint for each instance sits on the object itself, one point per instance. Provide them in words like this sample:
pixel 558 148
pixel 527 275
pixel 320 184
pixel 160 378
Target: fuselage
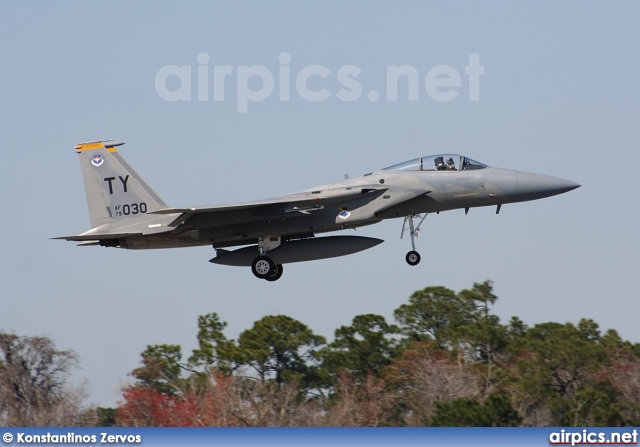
pixel 388 193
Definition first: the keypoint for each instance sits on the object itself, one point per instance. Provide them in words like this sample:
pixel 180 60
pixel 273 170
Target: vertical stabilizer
pixel 116 194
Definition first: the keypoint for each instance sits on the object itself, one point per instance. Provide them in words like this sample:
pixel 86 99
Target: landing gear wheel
pixel 262 267
pixel 277 274
pixel 413 258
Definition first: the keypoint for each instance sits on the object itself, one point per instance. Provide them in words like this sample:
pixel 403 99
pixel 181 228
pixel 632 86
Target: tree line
pixel 445 360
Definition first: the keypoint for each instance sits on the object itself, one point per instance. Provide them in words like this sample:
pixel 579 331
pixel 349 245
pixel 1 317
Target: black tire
pixel 277 274
pixel 413 258
pixel 262 267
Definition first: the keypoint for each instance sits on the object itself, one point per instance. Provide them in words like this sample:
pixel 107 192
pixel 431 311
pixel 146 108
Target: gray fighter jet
pixel 126 213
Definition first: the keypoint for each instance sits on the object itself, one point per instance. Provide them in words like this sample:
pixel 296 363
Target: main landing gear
pixel 413 257
pixel 262 266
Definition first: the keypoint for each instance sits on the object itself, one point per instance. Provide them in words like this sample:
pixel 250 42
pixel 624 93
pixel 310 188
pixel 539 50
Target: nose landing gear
pixel 413 257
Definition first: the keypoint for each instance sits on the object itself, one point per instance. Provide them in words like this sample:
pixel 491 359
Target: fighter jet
pixel 126 213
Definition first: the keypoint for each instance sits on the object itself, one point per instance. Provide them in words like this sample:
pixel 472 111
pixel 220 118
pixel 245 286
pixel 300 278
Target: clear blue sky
pixel 560 95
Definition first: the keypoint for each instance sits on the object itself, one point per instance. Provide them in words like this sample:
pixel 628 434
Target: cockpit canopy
pixel 442 162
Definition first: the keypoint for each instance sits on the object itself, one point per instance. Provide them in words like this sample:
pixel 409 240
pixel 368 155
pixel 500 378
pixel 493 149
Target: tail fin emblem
pixel 97 159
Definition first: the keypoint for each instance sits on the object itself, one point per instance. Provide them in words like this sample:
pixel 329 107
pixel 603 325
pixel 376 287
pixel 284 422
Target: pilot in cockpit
pixel 450 165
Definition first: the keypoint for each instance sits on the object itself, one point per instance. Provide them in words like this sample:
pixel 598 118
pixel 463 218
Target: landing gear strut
pixel 413 257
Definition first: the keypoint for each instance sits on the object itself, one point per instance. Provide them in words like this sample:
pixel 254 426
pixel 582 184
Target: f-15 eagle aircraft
pixel 126 213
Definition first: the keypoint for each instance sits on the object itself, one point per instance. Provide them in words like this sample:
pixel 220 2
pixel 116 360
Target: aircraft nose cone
pixel 537 186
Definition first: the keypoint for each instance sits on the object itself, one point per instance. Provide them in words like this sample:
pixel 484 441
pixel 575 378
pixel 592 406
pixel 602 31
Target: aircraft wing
pixel 303 202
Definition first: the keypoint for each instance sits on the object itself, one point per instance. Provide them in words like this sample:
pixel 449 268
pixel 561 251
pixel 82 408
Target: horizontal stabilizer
pixel 88 243
pixel 96 237
pixel 299 250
